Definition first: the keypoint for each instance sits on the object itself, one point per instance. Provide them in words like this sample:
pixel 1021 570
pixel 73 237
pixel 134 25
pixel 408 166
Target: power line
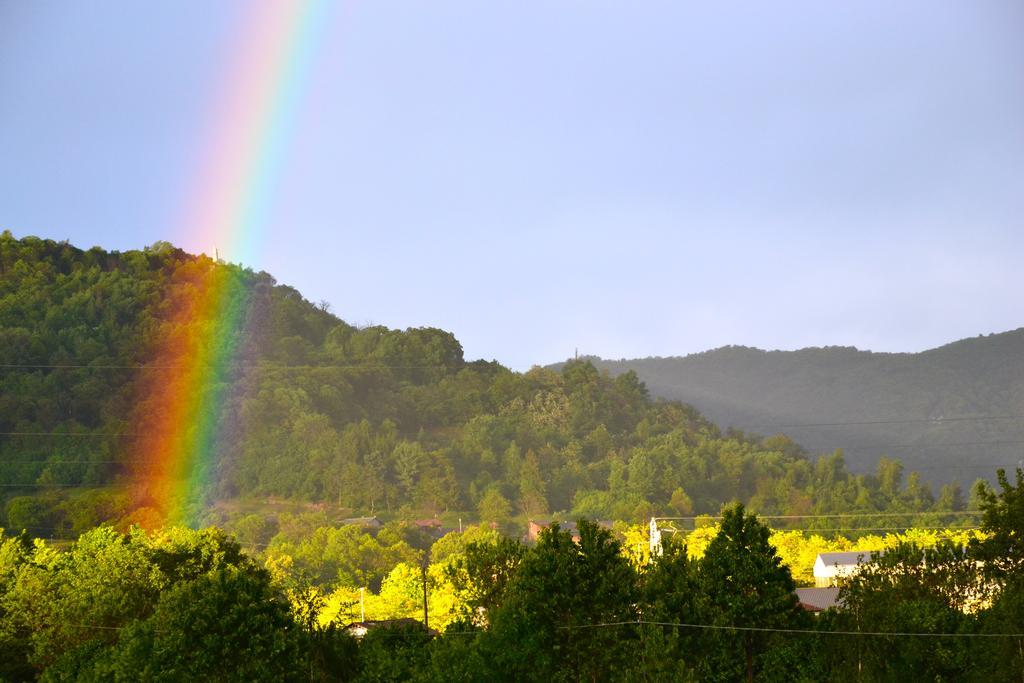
pixel 378 632
pixel 848 515
pixel 885 528
pixel 937 445
pixel 812 530
pixel 68 538
pixel 805 631
pixel 849 528
pixel 229 366
pixel 75 538
pixel 991 466
pixel 954 468
pixel 931 420
pixel 284 543
pixel 72 462
pixel 907 469
pixel 878 447
pixel 828 516
pixel 68 462
pixel 63 434
pixel 109 628
pixel 47 486
pixel 713 627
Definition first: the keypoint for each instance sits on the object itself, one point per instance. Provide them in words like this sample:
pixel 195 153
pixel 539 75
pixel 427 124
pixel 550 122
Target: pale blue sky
pixel 627 178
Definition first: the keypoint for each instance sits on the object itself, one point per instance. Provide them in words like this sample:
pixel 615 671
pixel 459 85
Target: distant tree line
pixel 183 604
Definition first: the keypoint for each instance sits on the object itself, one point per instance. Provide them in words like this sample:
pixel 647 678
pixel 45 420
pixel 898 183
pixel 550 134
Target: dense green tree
pixel 1001 553
pixel 910 590
pixel 680 502
pixel 999 658
pixel 347 555
pixel 951 498
pixel 394 652
pixel 494 507
pixel 743 583
pixel 27 512
pixel 669 590
pixel 1003 520
pixel 482 573
pixel 226 625
pixel 15 649
pixel 64 609
pixel 455 657
pixel 60 602
pixel 252 530
pixel 454 544
pixel 918 494
pixel 532 489
pixel 548 625
pixel 890 476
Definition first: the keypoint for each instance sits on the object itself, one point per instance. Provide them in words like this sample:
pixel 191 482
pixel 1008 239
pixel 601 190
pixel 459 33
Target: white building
pixel 830 568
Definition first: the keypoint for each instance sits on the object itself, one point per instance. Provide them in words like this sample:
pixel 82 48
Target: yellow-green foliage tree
pixel 400 594
pixel 113 603
pixel 799 549
pixel 344 555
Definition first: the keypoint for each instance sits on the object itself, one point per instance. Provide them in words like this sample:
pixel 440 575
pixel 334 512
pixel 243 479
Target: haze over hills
pixel 953 412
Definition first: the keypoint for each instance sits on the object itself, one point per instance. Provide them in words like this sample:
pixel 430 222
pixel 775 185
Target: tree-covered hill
pixel 375 420
pixel 908 405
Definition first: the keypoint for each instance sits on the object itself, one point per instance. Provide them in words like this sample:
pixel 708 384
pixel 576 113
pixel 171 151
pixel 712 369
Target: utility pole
pixel 362 607
pixel 426 624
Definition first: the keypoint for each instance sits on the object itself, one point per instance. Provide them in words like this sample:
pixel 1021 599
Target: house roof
pixel 567 525
pixel 817 599
pixel 386 623
pixel 846 558
pixel 362 521
pixel 358 628
pixel 544 524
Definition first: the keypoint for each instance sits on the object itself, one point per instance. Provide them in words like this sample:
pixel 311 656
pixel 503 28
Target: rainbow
pixel 184 395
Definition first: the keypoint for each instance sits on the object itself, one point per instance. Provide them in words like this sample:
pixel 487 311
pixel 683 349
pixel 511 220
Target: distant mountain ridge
pixel 371 420
pixel 367 420
pixel 919 407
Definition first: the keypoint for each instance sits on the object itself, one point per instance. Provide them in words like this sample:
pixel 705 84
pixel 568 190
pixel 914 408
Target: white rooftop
pixel 830 566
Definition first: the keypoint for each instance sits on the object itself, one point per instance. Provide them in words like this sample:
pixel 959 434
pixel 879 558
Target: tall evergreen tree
pixel 553 623
pixel 743 583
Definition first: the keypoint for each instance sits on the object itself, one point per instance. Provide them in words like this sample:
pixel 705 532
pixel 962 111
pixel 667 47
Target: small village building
pixel 533 529
pixel 433 527
pixel 818 599
pixel 370 523
pixel 358 629
pixel 831 568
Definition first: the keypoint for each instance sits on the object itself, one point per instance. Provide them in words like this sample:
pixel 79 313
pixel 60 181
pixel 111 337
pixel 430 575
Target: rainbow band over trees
pixel 186 392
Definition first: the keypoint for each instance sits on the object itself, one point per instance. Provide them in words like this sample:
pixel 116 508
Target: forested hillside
pixel 374 420
pixel 953 412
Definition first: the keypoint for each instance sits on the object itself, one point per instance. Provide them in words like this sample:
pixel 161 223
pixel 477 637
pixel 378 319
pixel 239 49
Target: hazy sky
pixel 626 178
